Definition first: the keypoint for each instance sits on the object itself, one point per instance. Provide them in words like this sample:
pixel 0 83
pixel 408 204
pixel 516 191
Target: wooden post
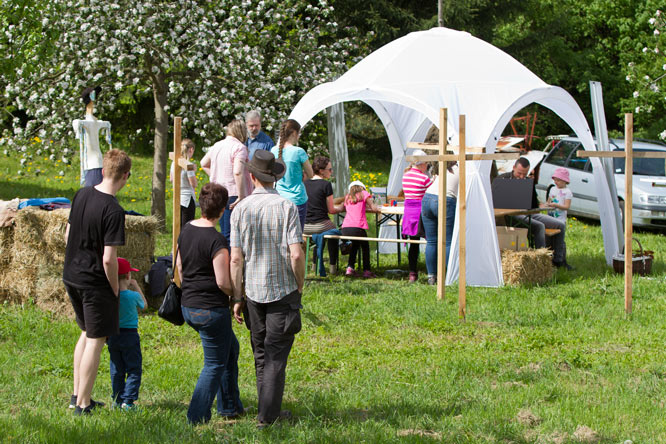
pixel 177 122
pixel 441 208
pixel 462 221
pixel 628 204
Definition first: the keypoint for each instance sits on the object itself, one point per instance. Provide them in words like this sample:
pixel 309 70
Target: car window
pixel 578 163
pixel 561 152
pixel 642 167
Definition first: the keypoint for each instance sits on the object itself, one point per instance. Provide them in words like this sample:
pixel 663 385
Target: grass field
pixel 378 360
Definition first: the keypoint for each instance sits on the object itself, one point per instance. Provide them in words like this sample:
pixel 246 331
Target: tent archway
pixel 407 81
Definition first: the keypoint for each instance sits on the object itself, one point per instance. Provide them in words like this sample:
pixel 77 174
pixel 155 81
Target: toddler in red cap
pixel 125 347
pixel 560 196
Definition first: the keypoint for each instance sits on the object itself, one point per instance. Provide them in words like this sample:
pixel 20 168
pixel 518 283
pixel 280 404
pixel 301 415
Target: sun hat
pixel 124 266
pixel 356 182
pixel 264 166
pixel 419 153
pixel 562 174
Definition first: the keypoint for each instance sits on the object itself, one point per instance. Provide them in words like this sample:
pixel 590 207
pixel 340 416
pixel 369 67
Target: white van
pixel 649 184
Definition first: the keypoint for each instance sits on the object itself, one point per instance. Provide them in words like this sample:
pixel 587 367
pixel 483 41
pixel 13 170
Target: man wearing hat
pixel 87 131
pixel 266 250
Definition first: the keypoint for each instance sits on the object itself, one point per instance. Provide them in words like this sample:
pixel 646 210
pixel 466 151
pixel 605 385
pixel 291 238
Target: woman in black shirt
pixel 320 205
pixel 203 264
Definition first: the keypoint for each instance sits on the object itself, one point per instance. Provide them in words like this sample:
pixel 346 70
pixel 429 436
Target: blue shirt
pixel 128 301
pixel 291 185
pixel 261 142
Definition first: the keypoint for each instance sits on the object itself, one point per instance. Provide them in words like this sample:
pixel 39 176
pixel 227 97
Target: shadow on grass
pixel 10 190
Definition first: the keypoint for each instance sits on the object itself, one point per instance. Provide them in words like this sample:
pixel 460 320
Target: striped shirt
pixel 415 183
pixel 263 225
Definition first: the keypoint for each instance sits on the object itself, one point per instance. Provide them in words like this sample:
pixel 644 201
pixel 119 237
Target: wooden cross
pixel 179 163
pixel 629 157
pixel 463 154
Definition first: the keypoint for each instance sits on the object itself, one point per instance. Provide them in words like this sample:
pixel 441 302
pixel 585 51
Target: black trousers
pixel 363 245
pixel 187 213
pixel 272 329
pixel 413 254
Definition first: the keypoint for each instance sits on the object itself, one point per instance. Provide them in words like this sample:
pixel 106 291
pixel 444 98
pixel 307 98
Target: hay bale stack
pixel 527 267
pixel 35 249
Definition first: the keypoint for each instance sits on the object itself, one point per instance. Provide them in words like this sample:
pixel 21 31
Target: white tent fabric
pixel 407 81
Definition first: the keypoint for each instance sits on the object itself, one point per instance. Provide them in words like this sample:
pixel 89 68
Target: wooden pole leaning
pixel 462 221
pixel 177 124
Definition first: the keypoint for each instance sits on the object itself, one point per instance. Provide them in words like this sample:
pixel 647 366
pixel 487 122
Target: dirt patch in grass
pixel 527 418
pixel 585 434
pixel 417 432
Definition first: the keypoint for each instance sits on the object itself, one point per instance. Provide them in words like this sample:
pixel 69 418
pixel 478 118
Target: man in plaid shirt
pixel 266 247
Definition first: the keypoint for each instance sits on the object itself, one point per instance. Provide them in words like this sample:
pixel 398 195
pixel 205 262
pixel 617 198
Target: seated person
pixel 539 222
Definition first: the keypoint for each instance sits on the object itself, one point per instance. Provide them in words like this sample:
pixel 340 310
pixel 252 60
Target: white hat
pixel 356 182
pixel 419 153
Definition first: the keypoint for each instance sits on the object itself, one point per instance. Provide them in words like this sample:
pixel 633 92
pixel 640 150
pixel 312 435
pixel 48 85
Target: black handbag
pixel 171 308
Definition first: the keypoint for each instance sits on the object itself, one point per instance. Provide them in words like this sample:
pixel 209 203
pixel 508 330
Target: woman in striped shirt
pixel 415 182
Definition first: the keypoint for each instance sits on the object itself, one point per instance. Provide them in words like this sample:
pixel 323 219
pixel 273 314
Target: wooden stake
pixel 462 222
pixel 177 122
pixel 441 208
pixel 628 204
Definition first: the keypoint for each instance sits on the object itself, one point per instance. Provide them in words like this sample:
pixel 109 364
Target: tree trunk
pixel 158 205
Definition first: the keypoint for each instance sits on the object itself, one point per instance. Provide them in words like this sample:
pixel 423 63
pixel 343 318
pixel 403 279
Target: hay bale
pixel 38 257
pixel 6 245
pixel 527 267
pixel 52 296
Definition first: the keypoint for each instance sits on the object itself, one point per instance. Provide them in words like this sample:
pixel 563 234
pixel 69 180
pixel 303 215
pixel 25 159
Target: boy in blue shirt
pixel 125 347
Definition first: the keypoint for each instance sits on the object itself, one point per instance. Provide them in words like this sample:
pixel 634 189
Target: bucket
pixel 641 263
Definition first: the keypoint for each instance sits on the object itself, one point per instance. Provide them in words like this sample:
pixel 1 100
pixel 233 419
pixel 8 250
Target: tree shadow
pixel 25 190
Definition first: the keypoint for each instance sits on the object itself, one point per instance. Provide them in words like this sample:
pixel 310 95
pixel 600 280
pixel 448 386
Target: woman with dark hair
pixel 320 205
pixel 202 259
pixel 296 161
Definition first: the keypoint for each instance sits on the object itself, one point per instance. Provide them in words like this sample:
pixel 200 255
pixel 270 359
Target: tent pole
pixel 440 14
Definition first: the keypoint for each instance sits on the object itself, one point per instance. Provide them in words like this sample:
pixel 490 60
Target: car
pixel 649 184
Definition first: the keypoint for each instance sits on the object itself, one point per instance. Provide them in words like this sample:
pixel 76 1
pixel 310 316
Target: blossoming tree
pixel 207 61
pixel 647 74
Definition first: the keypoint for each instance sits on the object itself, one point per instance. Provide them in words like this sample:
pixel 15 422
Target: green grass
pixel 381 361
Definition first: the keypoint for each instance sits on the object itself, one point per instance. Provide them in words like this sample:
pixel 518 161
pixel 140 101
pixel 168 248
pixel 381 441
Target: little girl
pixel 356 202
pixel 560 197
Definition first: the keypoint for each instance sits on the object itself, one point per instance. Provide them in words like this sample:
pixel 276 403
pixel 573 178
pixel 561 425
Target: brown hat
pixel 264 166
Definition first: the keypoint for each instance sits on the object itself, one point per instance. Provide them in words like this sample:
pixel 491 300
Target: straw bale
pixel 527 267
pixel 18 285
pixel 37 258
pixel 6 244
pixel 51 296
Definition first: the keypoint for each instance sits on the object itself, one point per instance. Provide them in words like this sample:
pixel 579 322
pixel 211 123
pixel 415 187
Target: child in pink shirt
pixel 356 203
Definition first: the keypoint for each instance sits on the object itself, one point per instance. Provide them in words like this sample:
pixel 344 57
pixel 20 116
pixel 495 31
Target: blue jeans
pixel 125 365
pixel 429 214
pixel 219 376
pixel 302 212
pixel 225 220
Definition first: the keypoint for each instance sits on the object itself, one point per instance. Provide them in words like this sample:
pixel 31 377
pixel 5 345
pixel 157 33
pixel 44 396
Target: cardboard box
pixel 511 238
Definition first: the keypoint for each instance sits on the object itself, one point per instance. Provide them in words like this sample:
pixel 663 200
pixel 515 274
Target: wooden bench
pixel 307 237
pixel 552 231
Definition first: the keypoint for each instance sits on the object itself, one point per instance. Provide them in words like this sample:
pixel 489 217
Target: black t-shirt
pixel 96 220
pixel 197 247
pixel 318 191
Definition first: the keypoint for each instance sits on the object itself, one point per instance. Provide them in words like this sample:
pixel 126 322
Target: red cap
pixel 124 266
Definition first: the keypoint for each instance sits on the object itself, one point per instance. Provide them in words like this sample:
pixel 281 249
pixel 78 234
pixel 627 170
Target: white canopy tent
pixel 407 81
